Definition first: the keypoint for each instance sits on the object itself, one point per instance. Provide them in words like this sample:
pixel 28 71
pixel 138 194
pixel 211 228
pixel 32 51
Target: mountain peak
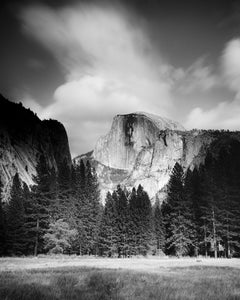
pixel 161 123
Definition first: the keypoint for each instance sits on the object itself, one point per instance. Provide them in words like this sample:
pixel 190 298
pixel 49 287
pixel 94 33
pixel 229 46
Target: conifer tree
pixel 141 223
pixel 80 210
pixel 88 208
pixel 146 223
pixel 43 194
pixel 179 228
pixel 108 228
pixel 192 213
pixel 63 204
pixel 159 229
pixel 93 204
pixel 15 219
pixel 134 222
pixel 64 176
pixel 29 219
pixel 122 219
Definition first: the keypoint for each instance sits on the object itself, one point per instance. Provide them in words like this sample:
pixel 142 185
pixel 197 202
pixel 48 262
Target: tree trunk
pixel 205 241
pixel 214 234
pixel 36 241
pixel 80 249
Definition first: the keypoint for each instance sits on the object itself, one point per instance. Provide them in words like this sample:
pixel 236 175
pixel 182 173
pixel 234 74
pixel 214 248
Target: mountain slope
pixel 141 148
pixel 23 138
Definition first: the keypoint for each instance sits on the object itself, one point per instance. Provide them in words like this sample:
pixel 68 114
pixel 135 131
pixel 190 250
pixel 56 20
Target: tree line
pixel 202 209
pixel 62 213
pixel 59 214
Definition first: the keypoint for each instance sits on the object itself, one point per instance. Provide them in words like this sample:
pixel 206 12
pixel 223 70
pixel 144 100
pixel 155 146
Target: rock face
pixel 142 149
pixel 23 138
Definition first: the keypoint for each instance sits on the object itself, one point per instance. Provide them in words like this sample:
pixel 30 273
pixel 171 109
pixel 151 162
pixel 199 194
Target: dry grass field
pixel 137 278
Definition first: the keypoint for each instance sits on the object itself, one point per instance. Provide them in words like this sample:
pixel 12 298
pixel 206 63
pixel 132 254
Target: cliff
pixel 23 138
pixel 142 149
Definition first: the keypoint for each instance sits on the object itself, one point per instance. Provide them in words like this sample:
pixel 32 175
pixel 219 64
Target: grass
pixel 194 282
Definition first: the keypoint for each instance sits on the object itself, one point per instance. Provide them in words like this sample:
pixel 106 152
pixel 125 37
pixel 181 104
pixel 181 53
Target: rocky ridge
pixel 141 148
pixel 23 138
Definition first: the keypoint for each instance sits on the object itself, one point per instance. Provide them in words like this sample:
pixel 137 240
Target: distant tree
pixel 15 219
pixel 30 210
pixel 179 227
pixel 58 237
pixel 228 165
pixel 108 233
pixel 146 224
pixel 192 213
pixel 159 229
pixel 134 222
pixel 94 207
pixel 80 215
pixel 122 219
pixel 141 231
pixel 210 215
pixel 64 176
pixel 220 202
pixel 63 200
pixel 79 175
pixel 88 208
pixel 43 195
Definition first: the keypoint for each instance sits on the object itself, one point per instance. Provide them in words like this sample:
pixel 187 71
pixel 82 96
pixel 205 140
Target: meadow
pixel 59 278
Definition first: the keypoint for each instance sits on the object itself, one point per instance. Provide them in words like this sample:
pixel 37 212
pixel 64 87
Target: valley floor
pixel 59 278
pixel 152 264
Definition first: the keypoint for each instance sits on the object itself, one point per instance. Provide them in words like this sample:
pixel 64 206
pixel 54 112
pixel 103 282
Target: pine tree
pixel 43 194
pixel 88 208
pixel 134 222
pixel 63 203
pixel 192 213
pixel 79 176
pixel 226 181
pixel 64 176
pixel 146 221
pixel 29 219
pixel 94 209
pixel 15 219
pixel 210 226
pixel 122 219
pixel 108 232
pixel 159 229
pixel 80 210
pixel 141 222
pixel 179 228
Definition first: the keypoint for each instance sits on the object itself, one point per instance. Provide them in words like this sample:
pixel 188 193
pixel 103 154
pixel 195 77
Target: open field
pixel 136 278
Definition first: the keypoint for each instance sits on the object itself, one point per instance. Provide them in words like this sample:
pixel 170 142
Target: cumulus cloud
pixel 110 67
pixel 226 114
pixel 109 64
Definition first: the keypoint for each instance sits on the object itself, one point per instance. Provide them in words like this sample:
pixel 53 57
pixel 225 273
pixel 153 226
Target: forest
pixel 62 213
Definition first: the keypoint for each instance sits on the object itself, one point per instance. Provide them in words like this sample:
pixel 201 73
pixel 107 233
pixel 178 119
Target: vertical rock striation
pixel 23 138
pixel 142 149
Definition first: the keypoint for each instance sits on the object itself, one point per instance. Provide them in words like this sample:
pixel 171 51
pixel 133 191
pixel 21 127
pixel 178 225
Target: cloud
pixel 110 66
pixel 224 115
pixel 198 77
pixel 231 64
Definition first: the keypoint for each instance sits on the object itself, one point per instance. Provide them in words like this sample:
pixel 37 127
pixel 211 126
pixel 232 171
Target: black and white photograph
pixel 120 150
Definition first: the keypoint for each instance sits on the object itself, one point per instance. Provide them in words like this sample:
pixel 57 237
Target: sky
pixel 82 62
